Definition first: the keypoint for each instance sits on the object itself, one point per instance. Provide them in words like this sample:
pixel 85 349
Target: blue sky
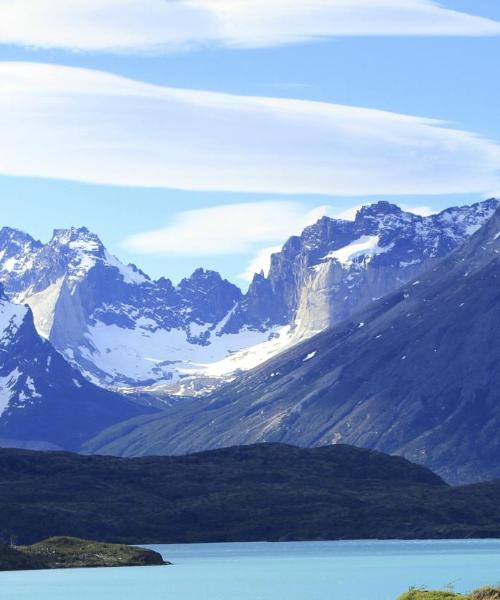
pixel 451 78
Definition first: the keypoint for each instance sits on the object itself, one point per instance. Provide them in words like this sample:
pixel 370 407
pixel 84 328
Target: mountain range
pixel 124 331
pixel 415 373
pixel 379 332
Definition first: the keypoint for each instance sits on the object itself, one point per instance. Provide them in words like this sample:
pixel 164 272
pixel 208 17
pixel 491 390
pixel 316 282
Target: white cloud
pixel 225 229
pixel 423 211
pixel 84 125
pixel 230 229
pixel 138 25
pixel 243 228
pixel 349 214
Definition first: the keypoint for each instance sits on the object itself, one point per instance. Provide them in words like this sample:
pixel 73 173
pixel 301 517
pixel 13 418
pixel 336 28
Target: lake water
pixel 373 570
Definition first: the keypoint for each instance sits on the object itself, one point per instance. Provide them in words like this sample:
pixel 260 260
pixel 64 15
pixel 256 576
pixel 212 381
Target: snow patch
pixel 11 318
pixel 129 274
pixel 410 263
pixel 6 392
pixel 365 247
pixel 147 352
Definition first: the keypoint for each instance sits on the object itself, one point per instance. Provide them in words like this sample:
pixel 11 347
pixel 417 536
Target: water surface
pixel 373 570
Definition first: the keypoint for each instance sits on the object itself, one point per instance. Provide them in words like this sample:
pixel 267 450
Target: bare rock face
pixel 351 263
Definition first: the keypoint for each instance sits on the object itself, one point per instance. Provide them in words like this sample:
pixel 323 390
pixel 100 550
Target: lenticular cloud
pixel 143 25
pixel 84 125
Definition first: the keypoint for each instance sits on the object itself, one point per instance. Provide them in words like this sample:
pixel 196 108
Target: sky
pixel 205 132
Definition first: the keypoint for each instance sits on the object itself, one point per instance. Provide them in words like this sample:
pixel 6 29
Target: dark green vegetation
pixel 416 373
pixel 264 492
pixel 15 560
pixel 66 552
pixel 482 594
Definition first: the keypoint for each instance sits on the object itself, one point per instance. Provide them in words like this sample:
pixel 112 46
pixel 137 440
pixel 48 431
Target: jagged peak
pixel 380 208
pixel 201 275
pixel 206 279
pixel 10 234
pixel 165 283
pixel 491 204
pixel 80 238
pixel 135 269
pixel 489 233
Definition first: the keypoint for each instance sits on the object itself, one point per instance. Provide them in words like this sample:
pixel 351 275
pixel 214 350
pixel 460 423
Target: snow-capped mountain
pixel 45 402
pixel 415 373
pixel 335 267
pixel 107 318
pixel 123 329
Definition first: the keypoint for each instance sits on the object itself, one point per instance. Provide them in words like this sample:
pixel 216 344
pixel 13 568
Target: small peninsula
pixel 69 552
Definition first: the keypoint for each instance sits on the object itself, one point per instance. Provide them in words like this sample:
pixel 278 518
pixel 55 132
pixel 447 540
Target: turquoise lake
pixel 357 570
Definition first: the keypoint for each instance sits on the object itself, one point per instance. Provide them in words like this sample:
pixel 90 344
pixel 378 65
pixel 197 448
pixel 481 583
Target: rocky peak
pixel 8 235
pixel 78 239
pixel 375 253
pixel 15 244
pixel 378 209
pixel 484 245
pixel 208 296
pixel 200 277
pixel 466 219
pixel 205 281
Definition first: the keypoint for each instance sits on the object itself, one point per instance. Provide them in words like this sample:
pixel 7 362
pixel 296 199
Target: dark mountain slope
pixel 266 492
pixel 417 373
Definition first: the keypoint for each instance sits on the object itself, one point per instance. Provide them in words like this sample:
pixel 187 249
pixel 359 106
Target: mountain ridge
pixel 128 332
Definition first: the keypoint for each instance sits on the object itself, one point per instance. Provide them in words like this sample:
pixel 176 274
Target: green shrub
pixel 486 593
pixel 415 594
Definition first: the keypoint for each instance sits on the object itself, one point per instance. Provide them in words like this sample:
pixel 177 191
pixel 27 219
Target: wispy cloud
pixel 84 125
pixel 258 229
pixel 139 25
pixel 423 211
pixel 226 229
